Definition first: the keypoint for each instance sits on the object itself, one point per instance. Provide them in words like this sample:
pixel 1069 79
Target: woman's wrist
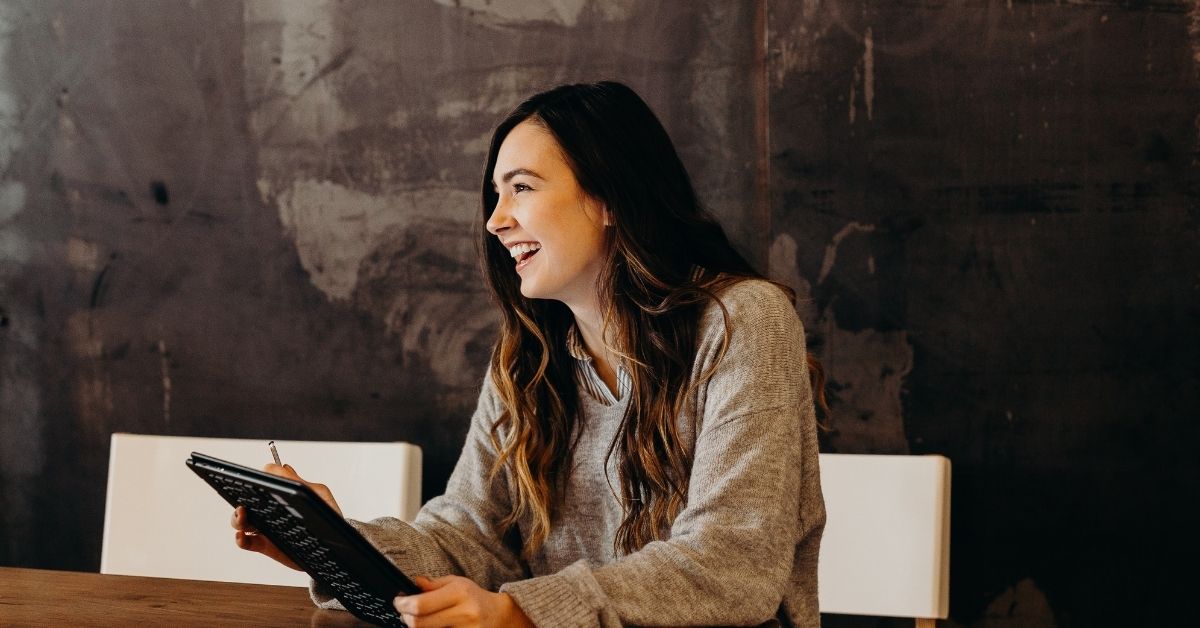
pixel 512 613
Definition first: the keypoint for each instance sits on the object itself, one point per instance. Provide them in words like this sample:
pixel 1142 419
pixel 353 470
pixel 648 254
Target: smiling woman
pixel 644 449
pixel 541 211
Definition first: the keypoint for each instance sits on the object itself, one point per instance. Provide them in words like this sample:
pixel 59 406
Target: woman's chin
pixel 529 289
pixel 532 289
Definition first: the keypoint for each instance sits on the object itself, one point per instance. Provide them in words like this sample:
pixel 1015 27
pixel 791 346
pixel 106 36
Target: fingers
pixel 247 536
pixel 430 584
pixel 321 490
pixel 457 601
pixel 443 598
pixel 254 542
pixel 282 470
pixel 286 471
pixel 427 603
pixel 250 542
pixel 239 521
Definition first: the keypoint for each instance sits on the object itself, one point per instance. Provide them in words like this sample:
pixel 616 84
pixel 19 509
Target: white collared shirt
pixel 586 372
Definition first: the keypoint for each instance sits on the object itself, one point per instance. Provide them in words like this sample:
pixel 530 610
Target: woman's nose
pixel 501 219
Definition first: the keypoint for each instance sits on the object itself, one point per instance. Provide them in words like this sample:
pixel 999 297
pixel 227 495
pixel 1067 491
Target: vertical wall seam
pixel 762 133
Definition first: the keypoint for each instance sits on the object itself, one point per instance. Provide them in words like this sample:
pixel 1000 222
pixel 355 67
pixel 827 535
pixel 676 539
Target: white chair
pixel 886 547
pixel 162 520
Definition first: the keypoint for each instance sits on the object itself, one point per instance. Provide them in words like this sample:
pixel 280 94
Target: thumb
pixel 431 584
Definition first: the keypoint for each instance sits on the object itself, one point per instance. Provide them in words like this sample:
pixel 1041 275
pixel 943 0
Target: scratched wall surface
pixel 254 219
pixel 994 209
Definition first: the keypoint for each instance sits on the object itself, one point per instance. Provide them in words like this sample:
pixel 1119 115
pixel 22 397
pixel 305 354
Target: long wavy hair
pixel 666 260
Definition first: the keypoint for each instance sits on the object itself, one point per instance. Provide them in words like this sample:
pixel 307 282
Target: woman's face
pixel 553 230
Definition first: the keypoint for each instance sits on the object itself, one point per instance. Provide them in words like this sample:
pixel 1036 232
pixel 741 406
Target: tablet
pixel 313 535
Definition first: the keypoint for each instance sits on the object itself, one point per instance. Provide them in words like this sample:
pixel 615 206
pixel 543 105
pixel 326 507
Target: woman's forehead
pixel 528 146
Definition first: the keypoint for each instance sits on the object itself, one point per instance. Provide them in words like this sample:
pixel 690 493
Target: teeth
pixel 517 250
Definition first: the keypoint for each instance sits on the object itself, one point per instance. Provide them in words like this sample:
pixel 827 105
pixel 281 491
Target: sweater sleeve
pixel 728 558
pixel 458 532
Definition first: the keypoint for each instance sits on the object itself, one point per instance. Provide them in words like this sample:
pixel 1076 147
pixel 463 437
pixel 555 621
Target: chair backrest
pixel 162 520
pixel 886 547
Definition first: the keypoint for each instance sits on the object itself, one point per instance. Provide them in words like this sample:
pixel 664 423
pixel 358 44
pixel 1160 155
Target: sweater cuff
pixel 323 598
pixel 404 546
pixel 570 598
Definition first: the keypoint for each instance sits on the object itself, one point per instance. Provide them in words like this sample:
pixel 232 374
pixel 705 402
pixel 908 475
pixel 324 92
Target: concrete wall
pixel 254 219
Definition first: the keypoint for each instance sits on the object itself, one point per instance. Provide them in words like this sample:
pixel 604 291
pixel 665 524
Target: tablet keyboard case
pixel 312 534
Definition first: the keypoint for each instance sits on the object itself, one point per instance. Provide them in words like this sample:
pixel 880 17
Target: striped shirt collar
pixel 585 371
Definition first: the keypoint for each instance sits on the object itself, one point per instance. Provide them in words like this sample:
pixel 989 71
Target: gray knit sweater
pixel 742 552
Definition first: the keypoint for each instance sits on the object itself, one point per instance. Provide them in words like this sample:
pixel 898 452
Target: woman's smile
pixel 523 252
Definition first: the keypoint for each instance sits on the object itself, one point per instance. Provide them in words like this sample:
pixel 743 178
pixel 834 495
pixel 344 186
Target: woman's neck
pixel 590 323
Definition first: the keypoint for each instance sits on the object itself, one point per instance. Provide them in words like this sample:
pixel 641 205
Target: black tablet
pixel 313 535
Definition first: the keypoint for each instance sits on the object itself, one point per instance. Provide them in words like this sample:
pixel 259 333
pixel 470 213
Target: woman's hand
pixel 249 539
pixel 457 601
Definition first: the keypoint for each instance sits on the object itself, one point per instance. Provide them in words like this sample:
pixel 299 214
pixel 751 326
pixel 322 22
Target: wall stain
pixel 1022 605
pixel 164 357
pixel 832 247
pixel 866 368
pixel 159 191
pixel 98 287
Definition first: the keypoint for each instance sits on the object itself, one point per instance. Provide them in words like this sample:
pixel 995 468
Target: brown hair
pixel 666 260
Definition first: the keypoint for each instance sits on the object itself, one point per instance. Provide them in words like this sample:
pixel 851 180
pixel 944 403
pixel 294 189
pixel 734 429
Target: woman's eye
pixel 520 187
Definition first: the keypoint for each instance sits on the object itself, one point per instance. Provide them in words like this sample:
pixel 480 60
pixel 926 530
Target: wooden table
pixel 37 597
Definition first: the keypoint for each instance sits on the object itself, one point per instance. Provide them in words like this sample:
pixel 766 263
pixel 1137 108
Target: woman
pixel 644 450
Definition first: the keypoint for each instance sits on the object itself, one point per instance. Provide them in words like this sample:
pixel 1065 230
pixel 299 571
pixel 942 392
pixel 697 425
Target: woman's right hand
pixel 248 538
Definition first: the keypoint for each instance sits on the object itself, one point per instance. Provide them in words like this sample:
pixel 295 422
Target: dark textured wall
pixel 995 211
pixel 254 219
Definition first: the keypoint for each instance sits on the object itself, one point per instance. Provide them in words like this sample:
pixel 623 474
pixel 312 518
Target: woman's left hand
pixel 457 601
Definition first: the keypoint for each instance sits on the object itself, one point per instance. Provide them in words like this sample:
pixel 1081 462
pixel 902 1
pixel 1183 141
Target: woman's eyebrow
pixel 508 176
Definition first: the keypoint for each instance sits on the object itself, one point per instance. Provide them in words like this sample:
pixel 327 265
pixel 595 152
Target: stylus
pixel 275 453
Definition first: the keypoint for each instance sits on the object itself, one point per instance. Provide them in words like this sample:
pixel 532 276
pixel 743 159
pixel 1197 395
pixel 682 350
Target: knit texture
pixel 742 552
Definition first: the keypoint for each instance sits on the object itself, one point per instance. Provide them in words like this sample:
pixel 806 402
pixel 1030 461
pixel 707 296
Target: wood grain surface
pixel 38 597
